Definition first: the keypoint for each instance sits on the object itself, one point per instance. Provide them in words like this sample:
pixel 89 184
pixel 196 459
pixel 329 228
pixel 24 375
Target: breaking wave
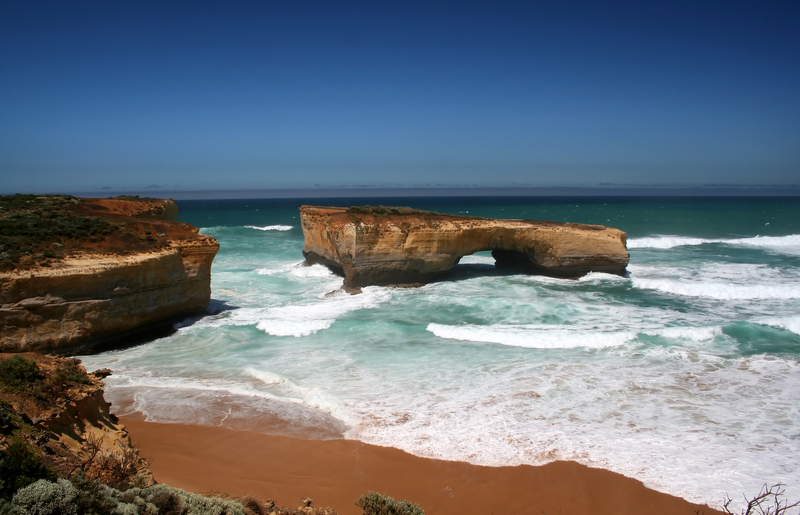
pixel 271 227
pixel 783 244
pixel 530 336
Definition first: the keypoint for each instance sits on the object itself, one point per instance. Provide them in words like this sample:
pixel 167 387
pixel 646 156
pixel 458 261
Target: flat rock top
pixel 395 215
pixel 41 231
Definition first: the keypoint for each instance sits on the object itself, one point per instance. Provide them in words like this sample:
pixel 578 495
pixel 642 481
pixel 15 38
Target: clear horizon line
pixel 735 190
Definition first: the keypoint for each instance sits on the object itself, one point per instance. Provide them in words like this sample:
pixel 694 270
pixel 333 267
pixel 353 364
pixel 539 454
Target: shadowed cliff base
pixel 146 334
pixel 395 246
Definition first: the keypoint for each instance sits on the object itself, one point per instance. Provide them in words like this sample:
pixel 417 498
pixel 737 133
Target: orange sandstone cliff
pixel 402 246
pixel 93 271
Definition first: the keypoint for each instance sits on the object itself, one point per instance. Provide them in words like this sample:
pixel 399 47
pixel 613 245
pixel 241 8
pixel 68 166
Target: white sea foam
pixel 271 378
pixel 312 396
pixel 271 227
pixel 315 271
pixel 308 318
pixel 687 333
pixel 293 328
pixel 279 268
pixel 303 318
pixel 718 290
pixel 721 281
pixel 663 422
pixel 786 244
pixel 596 277
pixel 530 336
pixel 297 270
pixel 197 384
pixel 783 244
pixel 666 242
pixel 791 323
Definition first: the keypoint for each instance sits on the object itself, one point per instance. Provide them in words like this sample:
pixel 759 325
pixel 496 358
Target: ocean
pixel 684 375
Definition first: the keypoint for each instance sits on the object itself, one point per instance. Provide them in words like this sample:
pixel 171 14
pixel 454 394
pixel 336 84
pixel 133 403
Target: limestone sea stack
pixel 401 246
pixel 78 273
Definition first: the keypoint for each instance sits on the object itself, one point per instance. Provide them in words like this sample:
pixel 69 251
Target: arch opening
pixel 490 262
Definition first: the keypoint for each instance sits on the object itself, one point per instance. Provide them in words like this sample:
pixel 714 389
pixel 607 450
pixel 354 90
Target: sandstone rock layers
pixel 369 248
pixel 90 299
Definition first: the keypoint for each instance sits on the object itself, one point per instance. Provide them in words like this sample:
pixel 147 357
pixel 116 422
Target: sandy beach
pixel 336 472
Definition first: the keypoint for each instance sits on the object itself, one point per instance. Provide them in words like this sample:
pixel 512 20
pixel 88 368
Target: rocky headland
pixel 380 245
pixel 76 273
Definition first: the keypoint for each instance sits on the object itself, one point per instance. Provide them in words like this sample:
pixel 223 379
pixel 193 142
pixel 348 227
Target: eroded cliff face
pixel 67 420
pixel 116 286
pixel 382 248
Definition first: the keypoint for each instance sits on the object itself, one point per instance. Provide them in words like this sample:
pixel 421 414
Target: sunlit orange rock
pixel 401 246
pixel 149 272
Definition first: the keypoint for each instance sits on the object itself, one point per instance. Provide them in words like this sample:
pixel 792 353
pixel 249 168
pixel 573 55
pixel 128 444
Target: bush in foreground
pixel 20 465
pixel 63 498
pixel 374 503
pixel 47 498
pixel 70 370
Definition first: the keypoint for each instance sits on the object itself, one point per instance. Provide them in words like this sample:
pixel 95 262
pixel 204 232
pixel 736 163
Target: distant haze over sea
pixel 716 190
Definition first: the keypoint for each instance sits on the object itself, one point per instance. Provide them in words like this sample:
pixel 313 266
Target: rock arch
pixel 399 246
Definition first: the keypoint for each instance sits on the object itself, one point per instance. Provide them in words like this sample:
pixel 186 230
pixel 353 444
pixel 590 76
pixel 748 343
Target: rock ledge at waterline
pixel 403 246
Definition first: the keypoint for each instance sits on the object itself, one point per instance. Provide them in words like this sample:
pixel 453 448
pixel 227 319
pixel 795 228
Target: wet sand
pixel 336 472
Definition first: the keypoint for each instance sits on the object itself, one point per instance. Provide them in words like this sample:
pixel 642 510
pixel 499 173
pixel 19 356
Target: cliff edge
pixel 402 246
pixel 76 273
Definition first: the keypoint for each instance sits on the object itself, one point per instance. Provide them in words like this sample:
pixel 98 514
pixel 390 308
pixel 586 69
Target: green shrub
pixel 36 228
pixel 17 372
pixel 22 376
pixel 200 505
pixel 9 419
pixel 374 503
pixel 387 210
pixel 21 465
pixel 92 495
pixel 47 498
pixel 166 499
pixel 124 508
pixel 70 370
pixel 8 508
pixel 18 201
pixel 95 497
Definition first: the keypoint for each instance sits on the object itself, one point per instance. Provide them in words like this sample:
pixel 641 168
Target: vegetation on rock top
pixel 387 210
pixel 380 212
pixel 40 230
pixel 22 377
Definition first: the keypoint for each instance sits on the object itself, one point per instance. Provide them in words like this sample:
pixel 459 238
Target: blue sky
pixel 149 96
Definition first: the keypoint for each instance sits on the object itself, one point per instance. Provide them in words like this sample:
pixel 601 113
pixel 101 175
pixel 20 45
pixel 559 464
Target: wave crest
pixel 784 244
pixel 718 290
pixel 271 227
pixel 533 337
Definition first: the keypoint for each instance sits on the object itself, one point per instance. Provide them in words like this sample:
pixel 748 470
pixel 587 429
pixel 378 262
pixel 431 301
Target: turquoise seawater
pixel 685 375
